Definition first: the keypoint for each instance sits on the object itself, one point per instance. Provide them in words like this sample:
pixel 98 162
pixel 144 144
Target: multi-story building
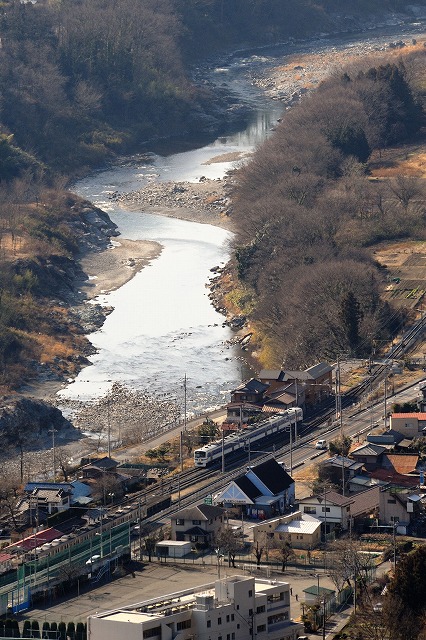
pixel 235 608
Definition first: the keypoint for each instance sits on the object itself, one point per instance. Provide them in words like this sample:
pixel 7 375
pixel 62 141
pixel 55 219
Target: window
pixel 185 624
pixel 180 522
pixel 278 617
pixel 238 625
pixel 261 627
pixel 250 612
pixel 233 635
pixel 219 621
pixel 309 509
pixel 227 618
pixel 394 518
pixel 151 633
pixel 261 609
pixel 326 509
pixel 391 501
pixel 348 508
pixel 209 623
pixel 196 522
pixel 228 636
pixel 232 617
pixel 276 597
pixel 250 593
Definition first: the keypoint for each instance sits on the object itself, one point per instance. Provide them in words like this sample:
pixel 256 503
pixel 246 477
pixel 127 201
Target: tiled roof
pixel 365 501
pixel 369 450
pixel 319 369
pixel 271 374
pixel 393 477
pixel 401 464
pixel 252 385
pixel 419 416
pixel 199 512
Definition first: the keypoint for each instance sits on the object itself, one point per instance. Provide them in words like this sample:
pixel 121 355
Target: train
pixel 245 437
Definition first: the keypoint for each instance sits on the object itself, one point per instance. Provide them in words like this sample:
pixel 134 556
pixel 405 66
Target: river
pixel 163 328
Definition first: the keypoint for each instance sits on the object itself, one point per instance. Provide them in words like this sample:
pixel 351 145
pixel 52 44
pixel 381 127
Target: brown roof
pixel 401 464
pixel 419 416
pixel 391 476
pixel 365 502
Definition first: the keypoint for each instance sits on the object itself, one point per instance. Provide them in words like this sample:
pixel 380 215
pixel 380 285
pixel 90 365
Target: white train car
pixel 239 439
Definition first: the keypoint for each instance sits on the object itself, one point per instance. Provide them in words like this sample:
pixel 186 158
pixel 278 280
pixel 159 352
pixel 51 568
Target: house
pixel 263 491
pixel 338 467
pixel 286 397
pixel 312 385
pixel 199 525
pixel 399 508
pixel 299 529
pixel 331 508
pixel 369 455
pixel 410 425
pixel 98 467
pixel 51 500
pixel 252 392
pixel 237 608
pixel 364 509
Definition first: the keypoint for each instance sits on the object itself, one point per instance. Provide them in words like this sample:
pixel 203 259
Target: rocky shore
pixel 205 202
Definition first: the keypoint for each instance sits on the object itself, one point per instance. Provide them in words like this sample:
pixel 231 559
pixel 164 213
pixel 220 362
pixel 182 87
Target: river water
pixel 163 326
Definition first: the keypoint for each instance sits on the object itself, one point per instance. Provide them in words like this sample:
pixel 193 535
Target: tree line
pixel 306 214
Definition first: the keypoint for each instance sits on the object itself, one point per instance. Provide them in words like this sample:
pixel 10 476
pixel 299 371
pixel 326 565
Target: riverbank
pixel 206 202
pixel 111 268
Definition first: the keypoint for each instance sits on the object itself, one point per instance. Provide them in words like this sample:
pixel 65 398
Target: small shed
pixel 173 548
pixel 315 594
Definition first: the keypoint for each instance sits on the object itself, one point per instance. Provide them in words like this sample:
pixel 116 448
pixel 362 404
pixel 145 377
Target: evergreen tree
pixel 351 316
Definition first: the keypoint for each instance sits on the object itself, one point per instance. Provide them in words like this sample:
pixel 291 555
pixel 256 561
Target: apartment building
pixel 235 608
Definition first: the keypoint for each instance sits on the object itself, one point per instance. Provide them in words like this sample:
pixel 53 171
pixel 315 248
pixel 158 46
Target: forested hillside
pixel 84 80
pixel 306 213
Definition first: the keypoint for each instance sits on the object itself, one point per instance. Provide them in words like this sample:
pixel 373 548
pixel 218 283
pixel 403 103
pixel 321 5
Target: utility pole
pixel 386 398
pixel 337 386
pixel 184 403
pixel 109 429
pixel 181 451
pixel 53 431
pixel 223 451
pixel 291 448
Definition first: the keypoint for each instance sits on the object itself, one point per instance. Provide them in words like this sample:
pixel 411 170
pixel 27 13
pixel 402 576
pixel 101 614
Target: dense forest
pixel 83 81
pixel 306 214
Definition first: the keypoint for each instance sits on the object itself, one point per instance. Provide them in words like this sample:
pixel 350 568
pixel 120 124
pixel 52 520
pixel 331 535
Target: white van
pixel 321 444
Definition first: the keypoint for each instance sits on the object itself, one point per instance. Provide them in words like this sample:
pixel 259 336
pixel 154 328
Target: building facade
pixel 235 608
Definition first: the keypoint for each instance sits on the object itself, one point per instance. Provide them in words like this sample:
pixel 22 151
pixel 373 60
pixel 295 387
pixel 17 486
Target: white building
pixel 235 608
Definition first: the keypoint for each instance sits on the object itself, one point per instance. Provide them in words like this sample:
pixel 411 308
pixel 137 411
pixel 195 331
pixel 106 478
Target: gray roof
pixel 369 450
pixel 253 386
pixel 272 374
pixel 199 512
pixel 319 369
pixel 342 461
pixel 365 502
